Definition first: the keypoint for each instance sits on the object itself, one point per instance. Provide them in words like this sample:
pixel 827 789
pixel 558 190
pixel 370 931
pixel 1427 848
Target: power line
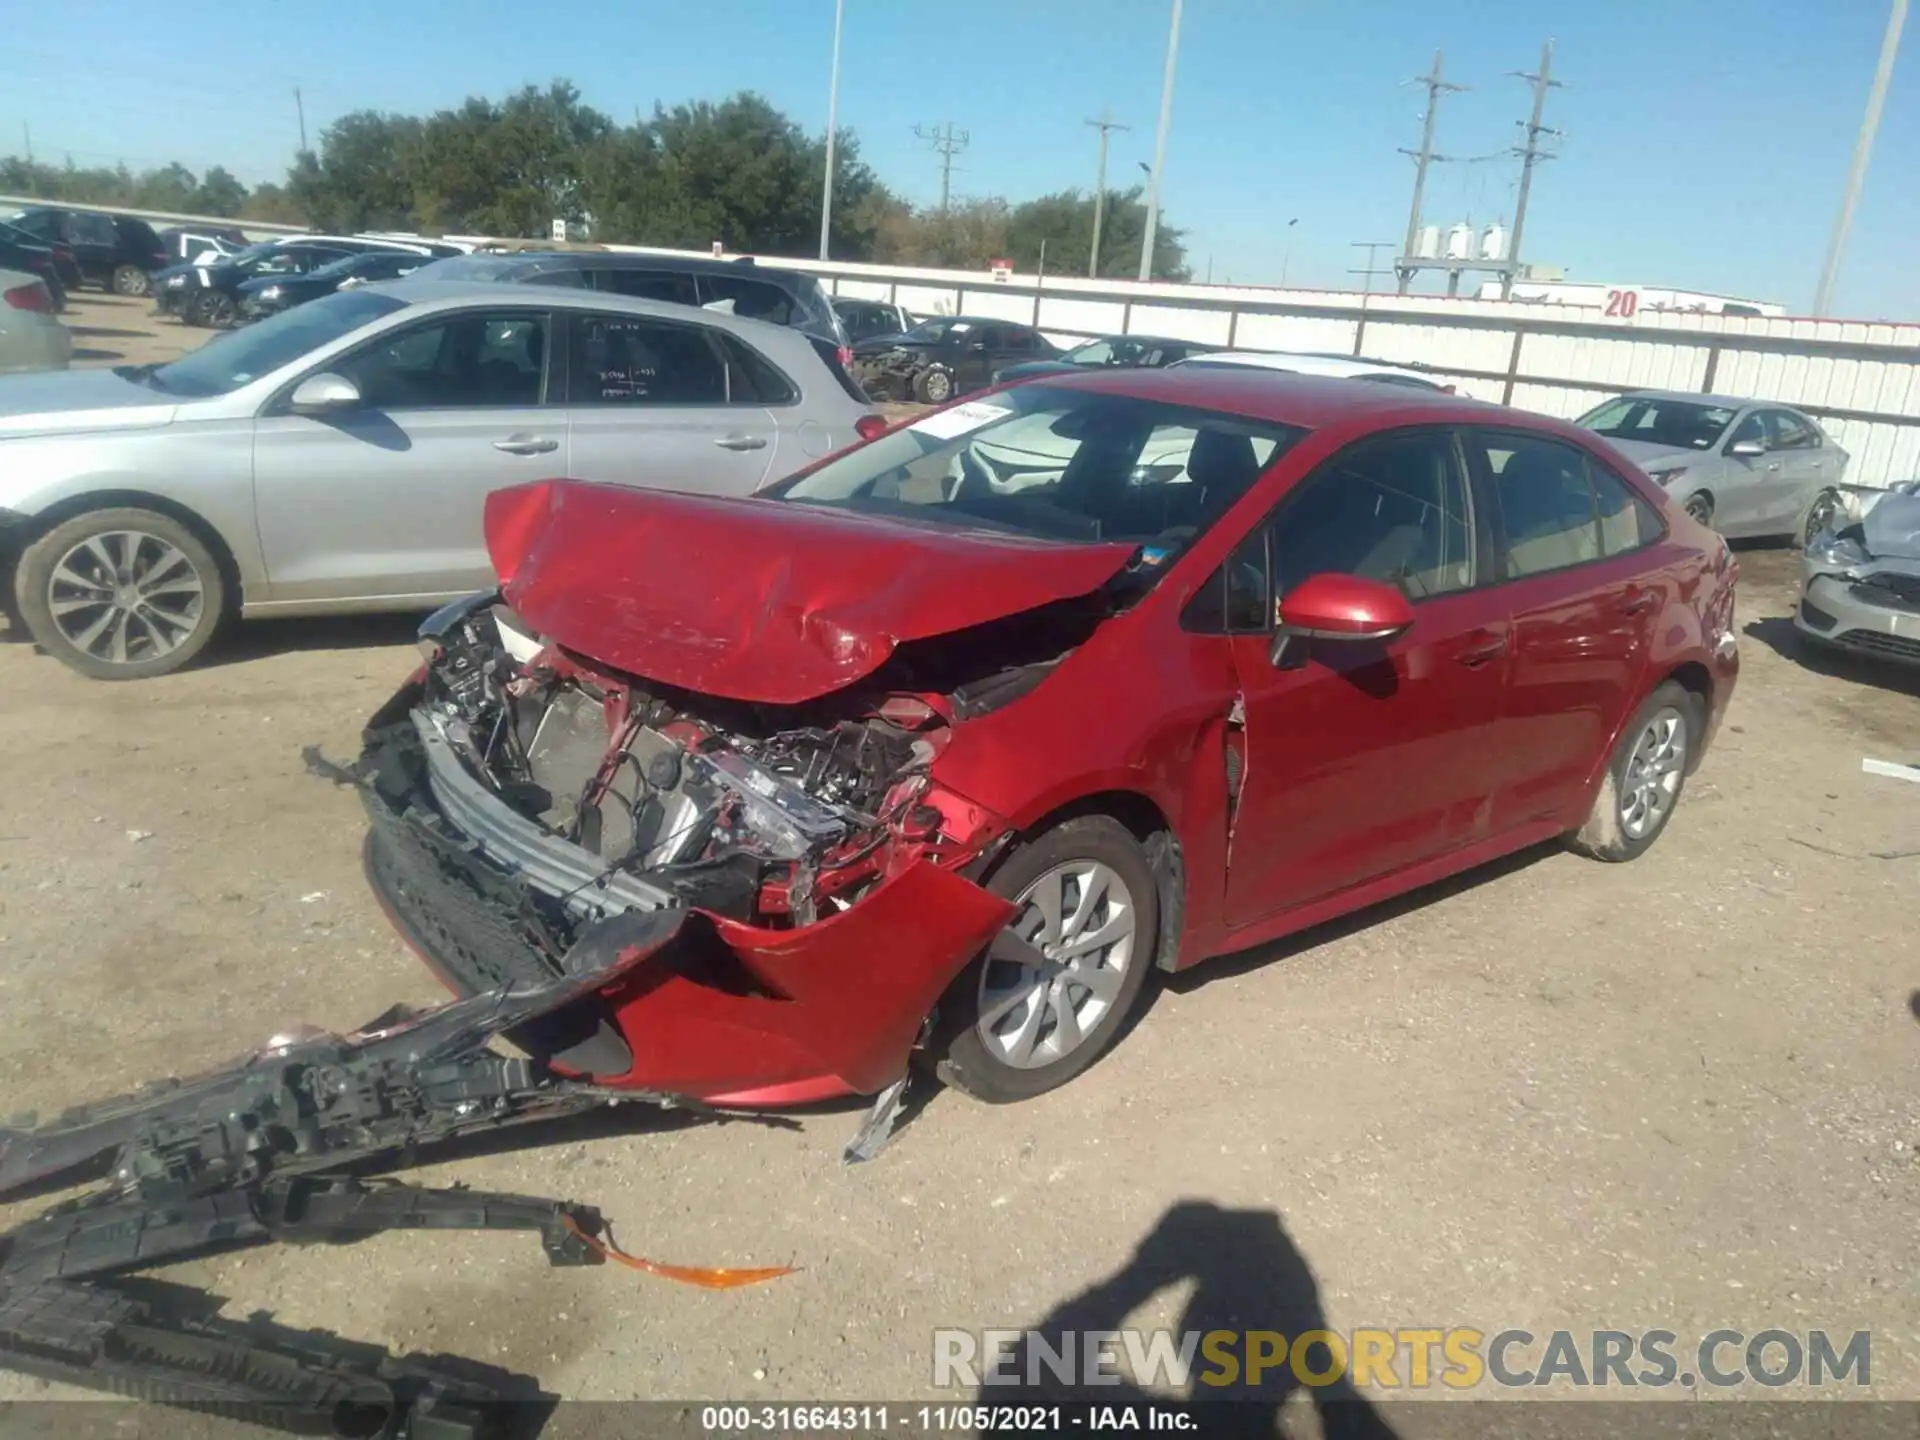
pixel 947 143
pixel 1531 154
pixel 1105 125
pixel 1437 85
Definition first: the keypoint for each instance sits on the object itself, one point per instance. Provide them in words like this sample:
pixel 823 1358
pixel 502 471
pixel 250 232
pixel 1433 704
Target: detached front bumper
pixel 718 1011
pixel 1866 616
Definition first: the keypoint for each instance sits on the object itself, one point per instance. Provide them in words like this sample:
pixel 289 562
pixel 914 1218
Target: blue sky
pixel 1706 140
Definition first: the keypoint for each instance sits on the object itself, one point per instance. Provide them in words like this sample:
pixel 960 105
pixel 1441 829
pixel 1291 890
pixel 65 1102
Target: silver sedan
pixel 335 457
pixel 1749 468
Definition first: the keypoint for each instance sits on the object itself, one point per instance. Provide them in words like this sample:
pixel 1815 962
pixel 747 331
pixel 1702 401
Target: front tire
pixel 1052 993
pixel 1824 512
pixel 216 310
pixel 1644 776
pixel 120 594
pixel 131 280
pixel 933 387
pixel 1700 506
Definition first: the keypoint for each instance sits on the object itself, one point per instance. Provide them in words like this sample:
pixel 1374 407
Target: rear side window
pixel 1787 431
pixel 92 229
pixel 571 279
pixel 636 360
pixel 752 299
pixel 752 379
pixel 675 289
pixel 1558 510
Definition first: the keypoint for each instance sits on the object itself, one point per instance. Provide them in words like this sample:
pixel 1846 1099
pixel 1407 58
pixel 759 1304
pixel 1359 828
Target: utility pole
pixel 1530 155
pixel 1437 85
pixel 1160 148
pixel 300 107
pixel 1286 255
pixel 1105 125
pixel 833 112
pixel 27 130
pixel 947 142
pixel 1372 247
pixel 1862 151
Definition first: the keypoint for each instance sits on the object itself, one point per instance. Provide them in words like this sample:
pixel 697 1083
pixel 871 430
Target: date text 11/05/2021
pixel 944 1419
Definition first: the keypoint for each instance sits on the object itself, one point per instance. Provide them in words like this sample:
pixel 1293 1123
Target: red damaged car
pixel 945 743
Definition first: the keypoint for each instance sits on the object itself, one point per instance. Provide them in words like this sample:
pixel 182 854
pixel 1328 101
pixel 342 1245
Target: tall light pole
pixel 1286 255
pixel 1160 148
pixel 833 116
pixel 1862 151
pixel 1105 125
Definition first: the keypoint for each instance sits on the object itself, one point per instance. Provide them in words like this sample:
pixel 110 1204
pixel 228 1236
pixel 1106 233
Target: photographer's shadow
pixel 1248 1276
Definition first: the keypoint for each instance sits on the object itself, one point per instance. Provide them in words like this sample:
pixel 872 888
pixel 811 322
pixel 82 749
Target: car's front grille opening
pixel 1890 592
pixel 1874 642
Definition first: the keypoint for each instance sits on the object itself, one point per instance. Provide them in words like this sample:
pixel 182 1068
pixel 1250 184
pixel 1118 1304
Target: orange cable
pixel 707 1278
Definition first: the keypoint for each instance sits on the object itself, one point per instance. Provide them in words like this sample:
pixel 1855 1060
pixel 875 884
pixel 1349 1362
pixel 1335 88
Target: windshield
pixel 239 357
pixel 1679 424
pixel 1056 464
pixel 250 254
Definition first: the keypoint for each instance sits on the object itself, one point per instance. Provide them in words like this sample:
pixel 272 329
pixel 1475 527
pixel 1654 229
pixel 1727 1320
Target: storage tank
pixel 1460 242
pixel 1428 246
pixel 1493 243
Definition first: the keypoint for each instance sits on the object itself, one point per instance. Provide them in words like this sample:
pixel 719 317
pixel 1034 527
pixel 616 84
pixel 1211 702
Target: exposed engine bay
pixel 771 814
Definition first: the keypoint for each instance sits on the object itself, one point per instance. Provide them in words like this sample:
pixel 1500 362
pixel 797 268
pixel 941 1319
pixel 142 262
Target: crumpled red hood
pixel 758 600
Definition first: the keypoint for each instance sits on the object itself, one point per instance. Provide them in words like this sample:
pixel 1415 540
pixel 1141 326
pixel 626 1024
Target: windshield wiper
pixel 145 374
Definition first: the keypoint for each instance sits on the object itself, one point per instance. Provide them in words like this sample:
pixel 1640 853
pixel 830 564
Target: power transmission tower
pixel 1105 125
pixel 947 143
pixel 1530 155
pixel 1373 248
pixel 1437 85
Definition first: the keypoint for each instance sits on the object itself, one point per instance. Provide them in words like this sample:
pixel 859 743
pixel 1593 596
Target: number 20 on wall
pixel 1622 304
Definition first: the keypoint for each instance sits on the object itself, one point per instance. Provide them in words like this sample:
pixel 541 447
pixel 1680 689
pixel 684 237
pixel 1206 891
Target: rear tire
pixel 121 594
pixel 131 280
pixel 1050 996
pixel 1644 777
pixel 215 309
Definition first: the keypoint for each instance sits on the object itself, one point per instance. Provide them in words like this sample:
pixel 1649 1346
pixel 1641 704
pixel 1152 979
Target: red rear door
pixel 1582 591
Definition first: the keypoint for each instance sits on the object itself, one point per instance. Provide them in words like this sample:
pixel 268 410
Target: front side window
pixel 1753 429
pixel 1056 464
pixel 457 361
pixel 1094 352
pixel 1546 504
pixel 239 357
pixel 1680 424
pixel 636 360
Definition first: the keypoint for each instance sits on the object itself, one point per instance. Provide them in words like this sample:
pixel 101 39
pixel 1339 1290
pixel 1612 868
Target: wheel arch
pixel 1148 823
pixel 63 510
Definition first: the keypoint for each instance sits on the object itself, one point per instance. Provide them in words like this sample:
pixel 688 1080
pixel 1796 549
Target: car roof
pixel 1310 401
pixel 1694 397
pixel 637 260
pixel 452 294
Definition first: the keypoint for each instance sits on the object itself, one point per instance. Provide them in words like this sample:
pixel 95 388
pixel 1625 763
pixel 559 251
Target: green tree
pixel 362 177
pixel 1065 221
pixel 508 169
pixel 220 194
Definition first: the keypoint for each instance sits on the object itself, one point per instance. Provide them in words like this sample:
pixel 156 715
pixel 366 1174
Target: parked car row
pixel 91 247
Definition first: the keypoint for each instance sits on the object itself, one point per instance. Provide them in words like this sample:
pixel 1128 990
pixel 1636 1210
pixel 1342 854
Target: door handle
pixel 526 445
pixel 1480 647
pixel 742 442
pixel 1639 600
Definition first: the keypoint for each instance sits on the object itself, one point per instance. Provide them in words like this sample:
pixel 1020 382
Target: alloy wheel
pixel 1653 775
pixel 1700 508
pixel 125 597
pixel 1053 975
pixel 1821 516
pixel 939 387
pixel 130 280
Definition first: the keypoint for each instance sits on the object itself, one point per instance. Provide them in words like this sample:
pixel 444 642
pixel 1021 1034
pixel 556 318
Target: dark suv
pixel 115 252
pixel 753 292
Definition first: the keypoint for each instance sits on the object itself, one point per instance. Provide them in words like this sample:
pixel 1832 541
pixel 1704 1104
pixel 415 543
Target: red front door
pixel 1368 758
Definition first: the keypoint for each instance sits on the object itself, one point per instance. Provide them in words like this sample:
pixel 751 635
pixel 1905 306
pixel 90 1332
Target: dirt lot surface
pixel 1674 1094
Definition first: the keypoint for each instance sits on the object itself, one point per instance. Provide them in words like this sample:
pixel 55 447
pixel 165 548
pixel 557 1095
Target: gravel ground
pixel 1558 1095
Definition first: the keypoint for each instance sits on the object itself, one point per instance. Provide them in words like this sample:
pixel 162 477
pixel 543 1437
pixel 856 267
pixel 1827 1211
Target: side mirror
pixel 1747 449
pixel 324 394
pixel 1340 609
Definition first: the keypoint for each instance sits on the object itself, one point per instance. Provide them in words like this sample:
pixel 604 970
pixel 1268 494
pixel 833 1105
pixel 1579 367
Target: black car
pixel 1108 352
pixel 939 359
pixel 265 295
pixel 20 251
pixel 115 252
pixel 870 319
pixel 210 294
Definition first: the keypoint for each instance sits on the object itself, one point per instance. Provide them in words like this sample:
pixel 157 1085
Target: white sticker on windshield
pixel 960 419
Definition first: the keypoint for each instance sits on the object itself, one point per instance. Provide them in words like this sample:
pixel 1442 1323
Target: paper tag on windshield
pixel 960 419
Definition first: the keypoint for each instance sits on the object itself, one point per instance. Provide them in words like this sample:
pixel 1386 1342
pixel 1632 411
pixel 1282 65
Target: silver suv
pixel 336 456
